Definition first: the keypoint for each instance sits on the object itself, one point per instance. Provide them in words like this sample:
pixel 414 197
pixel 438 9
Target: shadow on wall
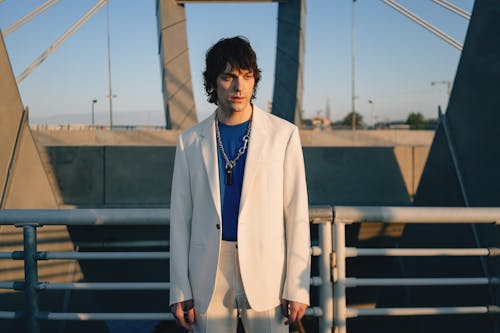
pixel 142 176
pixel 355 176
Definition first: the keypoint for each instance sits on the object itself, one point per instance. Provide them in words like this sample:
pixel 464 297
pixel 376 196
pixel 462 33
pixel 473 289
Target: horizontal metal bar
pixel 104 316
pixel 15 255
pixel 349 214
pixel 320 214
pixel 7 285
pixel 104 286
pixel 72 217
pixel 161 216
pixel 429 311
pixel 358 312
pixel 129 244
pixel 314 311
pixel 102 255
pixel 10 314
pixel 392 252
pixel 357 282
pixel 114 216
pixel 12 285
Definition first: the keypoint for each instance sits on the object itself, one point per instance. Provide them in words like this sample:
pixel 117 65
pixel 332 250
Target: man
pixel 239 232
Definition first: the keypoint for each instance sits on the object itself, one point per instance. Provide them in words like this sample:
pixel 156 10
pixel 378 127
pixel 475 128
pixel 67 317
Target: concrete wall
pixel 113 176
pixel 139 176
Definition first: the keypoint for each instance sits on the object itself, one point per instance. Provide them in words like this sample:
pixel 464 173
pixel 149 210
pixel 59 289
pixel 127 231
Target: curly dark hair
pixel 238 53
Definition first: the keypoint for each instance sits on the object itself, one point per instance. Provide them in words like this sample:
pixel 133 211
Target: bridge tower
pixel 180 110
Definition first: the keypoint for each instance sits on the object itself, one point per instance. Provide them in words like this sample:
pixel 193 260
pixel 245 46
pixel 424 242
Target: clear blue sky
pixel 396 60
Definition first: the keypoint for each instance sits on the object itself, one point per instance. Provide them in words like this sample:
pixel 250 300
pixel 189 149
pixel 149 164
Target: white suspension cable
pixel 454 8
pixel 34 65
pixel 415 18
pixel 28 17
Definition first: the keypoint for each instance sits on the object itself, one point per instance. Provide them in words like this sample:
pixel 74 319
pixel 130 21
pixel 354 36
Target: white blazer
pixel 273 223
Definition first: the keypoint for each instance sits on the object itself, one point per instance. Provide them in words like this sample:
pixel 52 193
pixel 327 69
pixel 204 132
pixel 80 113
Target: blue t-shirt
pixel 232 140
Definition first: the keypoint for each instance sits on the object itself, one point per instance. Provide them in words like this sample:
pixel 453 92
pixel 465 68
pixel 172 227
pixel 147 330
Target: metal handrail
pixel 86 217
pixel 421 252
pixel 421 311
pixel 331 267
pixel 430 215
pixel 30 220
pixel 102 255
pixel 104 286
pixel 409 215
pixel 394 282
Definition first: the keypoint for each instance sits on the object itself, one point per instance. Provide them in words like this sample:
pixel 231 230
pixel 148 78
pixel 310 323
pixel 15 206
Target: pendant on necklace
pixel 229 175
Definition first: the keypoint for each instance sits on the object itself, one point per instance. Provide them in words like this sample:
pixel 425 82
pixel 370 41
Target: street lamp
pixel 448 86
pixel 93 103
pixel 372 111
pixel 110 95
pixel 353 96
pixel 447 83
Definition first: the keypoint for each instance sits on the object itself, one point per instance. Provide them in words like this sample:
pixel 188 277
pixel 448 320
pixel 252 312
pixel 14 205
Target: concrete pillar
pixel 289 72
pixel 180 111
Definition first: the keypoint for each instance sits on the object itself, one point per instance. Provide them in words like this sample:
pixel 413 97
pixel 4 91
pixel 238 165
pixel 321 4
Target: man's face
pixel 234 89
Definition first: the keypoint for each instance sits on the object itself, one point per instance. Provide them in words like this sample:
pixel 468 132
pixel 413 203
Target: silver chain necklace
pixel 230 164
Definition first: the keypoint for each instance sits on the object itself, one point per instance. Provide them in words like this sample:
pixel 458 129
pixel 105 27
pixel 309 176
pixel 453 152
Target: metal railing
pixel 330 250
pixel 31 220
pixel 408 215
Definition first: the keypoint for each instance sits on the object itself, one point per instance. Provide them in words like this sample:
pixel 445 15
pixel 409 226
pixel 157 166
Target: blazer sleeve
pixel 296 213
pixel 180 227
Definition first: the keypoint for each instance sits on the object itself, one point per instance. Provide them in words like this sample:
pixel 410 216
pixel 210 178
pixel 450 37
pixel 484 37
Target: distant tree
pixel 347 121
pixel 415 119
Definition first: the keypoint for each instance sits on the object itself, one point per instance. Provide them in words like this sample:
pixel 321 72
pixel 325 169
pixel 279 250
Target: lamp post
pixel 109 70
pixel 93 103
pixel 447 83
pixel 370 101
pixel 448 86
pixel 353 96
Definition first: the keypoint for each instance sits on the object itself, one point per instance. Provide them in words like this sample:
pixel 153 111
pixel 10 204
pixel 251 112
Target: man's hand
pixel 294 311
pixel 184 314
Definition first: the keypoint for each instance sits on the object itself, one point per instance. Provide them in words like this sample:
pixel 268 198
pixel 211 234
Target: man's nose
pixel 236 84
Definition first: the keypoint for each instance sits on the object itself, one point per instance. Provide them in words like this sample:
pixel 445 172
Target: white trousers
pixel 229 302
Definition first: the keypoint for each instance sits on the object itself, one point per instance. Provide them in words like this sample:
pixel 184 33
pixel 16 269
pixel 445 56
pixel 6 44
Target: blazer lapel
pixel 210 160
pixel 258 139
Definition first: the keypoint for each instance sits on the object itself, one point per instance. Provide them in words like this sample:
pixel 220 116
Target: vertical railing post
pixel 339 293
pixel 30 278
pixel 325 271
